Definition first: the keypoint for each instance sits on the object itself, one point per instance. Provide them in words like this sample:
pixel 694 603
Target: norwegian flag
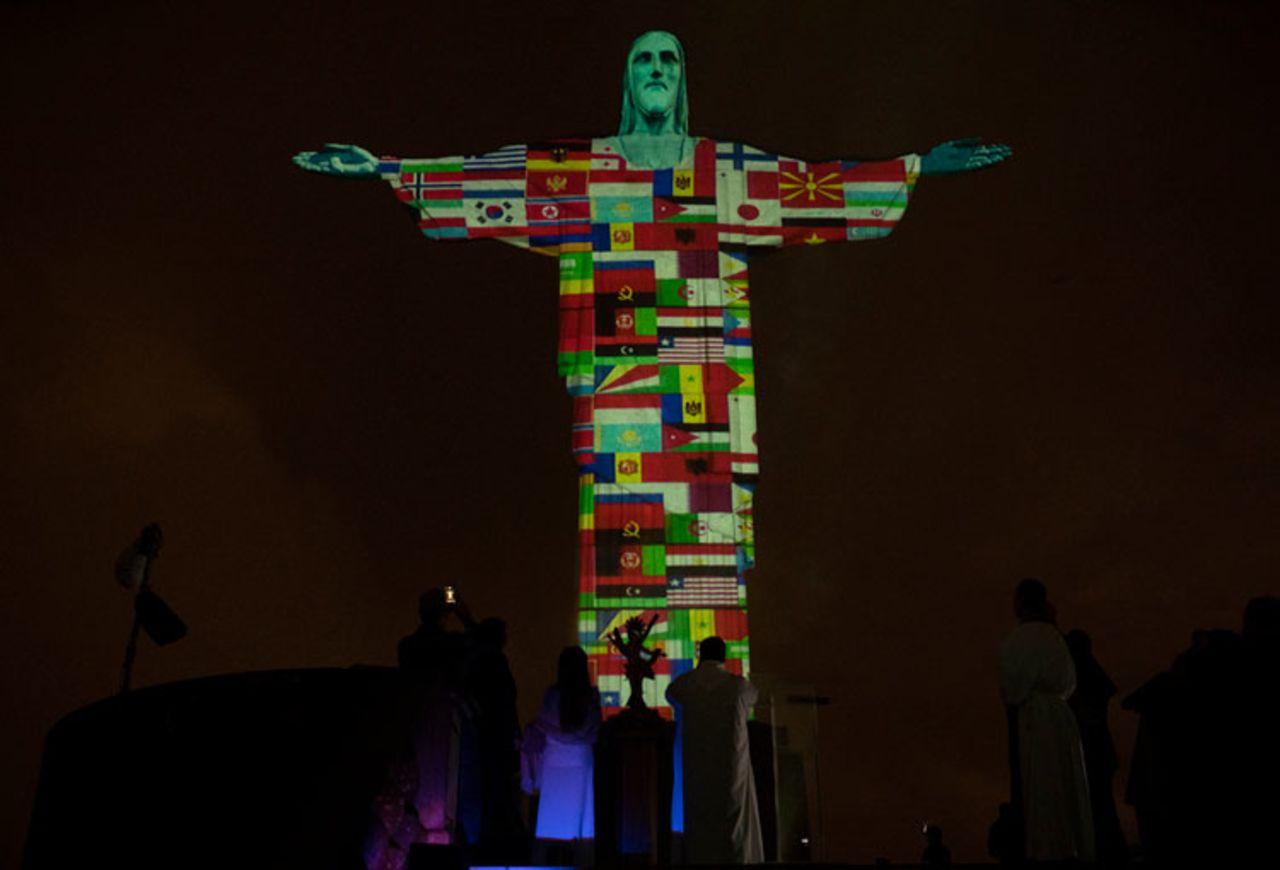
pixel 427 185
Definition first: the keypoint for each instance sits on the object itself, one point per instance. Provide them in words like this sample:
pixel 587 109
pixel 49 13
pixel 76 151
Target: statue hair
pixel 630 114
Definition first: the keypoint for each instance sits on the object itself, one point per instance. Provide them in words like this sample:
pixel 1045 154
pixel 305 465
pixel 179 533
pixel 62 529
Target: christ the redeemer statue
pixel 652 228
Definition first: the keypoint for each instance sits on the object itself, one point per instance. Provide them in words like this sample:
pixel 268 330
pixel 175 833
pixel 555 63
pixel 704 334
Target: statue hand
pixel 338 159
pixel 962 155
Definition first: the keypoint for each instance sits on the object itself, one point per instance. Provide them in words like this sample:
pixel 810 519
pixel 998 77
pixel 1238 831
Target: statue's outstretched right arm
pixel 531 198
pixel 337 159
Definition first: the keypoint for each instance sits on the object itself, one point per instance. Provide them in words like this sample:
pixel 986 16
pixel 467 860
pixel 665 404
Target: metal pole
pixel 817 783
pixel 131 650
pixel 818 841
pixel 777 783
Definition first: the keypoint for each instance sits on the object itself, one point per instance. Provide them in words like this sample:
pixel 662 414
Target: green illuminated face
pixel 655 71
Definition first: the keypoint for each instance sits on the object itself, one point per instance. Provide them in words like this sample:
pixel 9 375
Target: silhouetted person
pixel 418 801
pixel 1036 678
pixel 433 653
pixel 1194 758
pixel 1261 627
pixel 1260 641
pixel 492 689
pixel 721 816
pixel 1151 782
pixel 1089 703
pixel 935 853
pixel 1006 838
pixel 568 723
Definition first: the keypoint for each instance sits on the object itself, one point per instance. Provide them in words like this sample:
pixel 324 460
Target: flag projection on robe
pixel 655 348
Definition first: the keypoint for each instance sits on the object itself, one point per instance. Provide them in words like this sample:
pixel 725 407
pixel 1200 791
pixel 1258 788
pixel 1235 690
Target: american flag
pixel 702 592
pixel 676 349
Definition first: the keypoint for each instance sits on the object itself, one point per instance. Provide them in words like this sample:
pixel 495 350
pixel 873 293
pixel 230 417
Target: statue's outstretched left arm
pixel 962 155
pixel 772 200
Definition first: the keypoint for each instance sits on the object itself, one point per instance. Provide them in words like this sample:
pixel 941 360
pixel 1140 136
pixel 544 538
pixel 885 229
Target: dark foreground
pixel 274 769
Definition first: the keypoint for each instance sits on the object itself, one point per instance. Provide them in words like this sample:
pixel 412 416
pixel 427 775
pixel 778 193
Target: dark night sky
pixel 1067 366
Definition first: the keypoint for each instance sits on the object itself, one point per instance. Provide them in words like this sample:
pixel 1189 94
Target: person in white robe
pixel 721 816
pixel 1036 679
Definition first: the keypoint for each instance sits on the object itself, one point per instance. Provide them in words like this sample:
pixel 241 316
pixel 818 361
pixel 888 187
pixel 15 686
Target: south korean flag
pixel 494 213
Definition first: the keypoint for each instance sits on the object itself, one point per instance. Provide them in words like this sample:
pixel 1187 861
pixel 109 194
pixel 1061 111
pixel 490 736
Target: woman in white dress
pixel 570 720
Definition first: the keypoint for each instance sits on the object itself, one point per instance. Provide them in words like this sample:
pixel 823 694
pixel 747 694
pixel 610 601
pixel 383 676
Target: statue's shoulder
pixel 728 149
pixel 569 154
pixel 571 143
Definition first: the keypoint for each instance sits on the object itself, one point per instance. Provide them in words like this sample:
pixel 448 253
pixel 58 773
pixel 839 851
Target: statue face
pixel 654 72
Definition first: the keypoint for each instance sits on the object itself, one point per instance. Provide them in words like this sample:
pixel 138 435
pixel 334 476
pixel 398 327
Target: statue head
pixel 653 86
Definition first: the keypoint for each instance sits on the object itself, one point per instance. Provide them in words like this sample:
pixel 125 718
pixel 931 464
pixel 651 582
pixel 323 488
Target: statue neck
pixel 656 151
pixel 656 125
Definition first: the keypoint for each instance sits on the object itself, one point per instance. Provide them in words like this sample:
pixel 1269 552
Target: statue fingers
pixel 312 164
pixel 986 157
pixel 350 153
pixel 345 167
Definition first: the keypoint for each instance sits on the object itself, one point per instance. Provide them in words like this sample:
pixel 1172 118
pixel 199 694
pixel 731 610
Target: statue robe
pixel 655 349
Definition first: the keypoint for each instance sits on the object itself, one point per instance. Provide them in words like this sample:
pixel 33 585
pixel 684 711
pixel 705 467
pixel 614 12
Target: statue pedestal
pixel 633 789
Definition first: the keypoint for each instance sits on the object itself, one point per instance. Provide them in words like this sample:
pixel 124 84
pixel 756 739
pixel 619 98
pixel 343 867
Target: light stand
pixel 150 613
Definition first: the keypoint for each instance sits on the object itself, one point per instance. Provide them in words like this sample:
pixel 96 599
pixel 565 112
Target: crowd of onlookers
pixel 1204 779
pixel 455 782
